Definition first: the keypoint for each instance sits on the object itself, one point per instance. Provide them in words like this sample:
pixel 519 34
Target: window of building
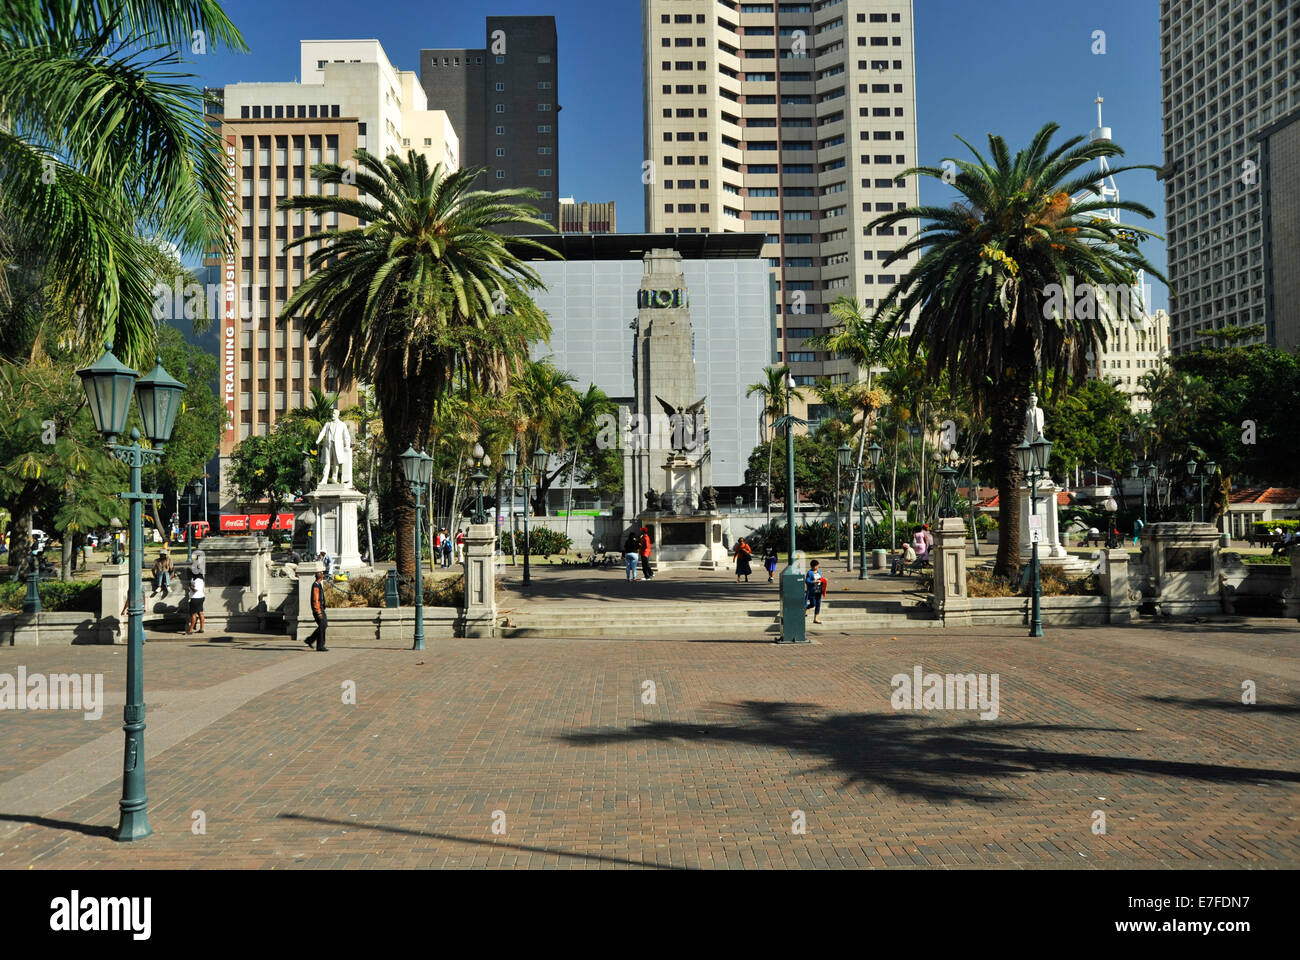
pixel 544 172
pixel 501 108
pixel 501 174
pixel 500 86
pixel 501 151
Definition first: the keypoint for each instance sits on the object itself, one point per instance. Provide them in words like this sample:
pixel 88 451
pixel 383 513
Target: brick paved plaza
pixel 1144 724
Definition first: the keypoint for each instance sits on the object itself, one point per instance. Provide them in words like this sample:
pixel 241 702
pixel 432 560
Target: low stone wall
pixel 1260 589
pixel 24 629
pixel 1056 611
pixel 370 623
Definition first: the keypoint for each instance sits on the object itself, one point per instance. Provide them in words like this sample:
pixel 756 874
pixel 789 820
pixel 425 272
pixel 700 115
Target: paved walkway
pixel 566 750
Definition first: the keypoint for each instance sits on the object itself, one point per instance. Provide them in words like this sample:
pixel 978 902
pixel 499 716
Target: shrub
pixel 1053 583
pixel 542 541
pixel 371 592
pixel 57 596
pixel 1267 526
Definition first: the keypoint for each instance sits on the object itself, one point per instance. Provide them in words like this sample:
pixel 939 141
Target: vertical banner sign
pixel 230 314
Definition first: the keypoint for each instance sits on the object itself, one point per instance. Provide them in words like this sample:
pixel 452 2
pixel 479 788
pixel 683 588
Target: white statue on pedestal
pixel 1033 420
pixel 335 441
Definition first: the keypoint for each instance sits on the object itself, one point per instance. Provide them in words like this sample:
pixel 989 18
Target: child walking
pixel 816 589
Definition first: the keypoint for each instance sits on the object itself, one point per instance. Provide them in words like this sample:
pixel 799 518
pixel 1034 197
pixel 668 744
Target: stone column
pixel 480 611
pixel 951 599
pixel 1291 594
pixel 112 598
pixel 1115 586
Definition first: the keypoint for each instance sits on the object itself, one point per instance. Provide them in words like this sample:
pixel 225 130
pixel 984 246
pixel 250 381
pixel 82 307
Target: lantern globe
pixel 426 469
pixel 540 458
pixel 1042 448
pixel 410 465
pixel 108 384
pixel 1024 456
pixel 874 451
pixel 159 396
pixel 511 459
pixel 845 455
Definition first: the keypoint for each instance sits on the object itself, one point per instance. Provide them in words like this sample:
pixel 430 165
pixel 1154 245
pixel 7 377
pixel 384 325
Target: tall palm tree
pixel 102 145
pixel 981 293
pixel 775 394
pixel 421 296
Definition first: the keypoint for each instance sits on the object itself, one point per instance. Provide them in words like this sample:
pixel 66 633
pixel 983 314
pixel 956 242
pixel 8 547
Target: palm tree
pixel 543 399
pixel 981 294
pixel 775 393
pixel 422 296
pixel 100 147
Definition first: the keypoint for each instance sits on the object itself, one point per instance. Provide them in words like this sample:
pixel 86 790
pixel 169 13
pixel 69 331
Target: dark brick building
pixel 502 101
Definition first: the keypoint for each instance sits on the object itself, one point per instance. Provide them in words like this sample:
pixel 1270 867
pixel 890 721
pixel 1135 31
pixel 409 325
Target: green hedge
pixel 57 596
pixel 1266 526
pixel 542 541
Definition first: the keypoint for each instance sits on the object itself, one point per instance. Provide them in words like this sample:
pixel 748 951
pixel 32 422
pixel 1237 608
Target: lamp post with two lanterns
pixel 1033 459
pixel 539 460
pixel 874 450
pixel 1211 469
pixel 109 385
pixel 417 469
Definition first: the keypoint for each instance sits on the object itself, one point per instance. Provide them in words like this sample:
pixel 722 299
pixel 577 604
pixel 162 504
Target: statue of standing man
pixel 1033 420
pixel 335 442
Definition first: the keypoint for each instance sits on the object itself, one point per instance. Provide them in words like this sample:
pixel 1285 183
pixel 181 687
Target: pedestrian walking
pixel 460 545
pixel 769 563
pixel 198 593
pixel 317 636
pixel 1137 530
pixel 815 585
pixel 446 547
pixel 162 574
pixel 742 553
pixel 631 554
pixel 647 572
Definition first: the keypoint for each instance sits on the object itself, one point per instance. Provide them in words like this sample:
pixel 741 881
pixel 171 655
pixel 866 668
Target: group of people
pixel 195 589
pixel 636 550
pixel 744 551
pixel 814 582
pixel 918 549
pixel 443 546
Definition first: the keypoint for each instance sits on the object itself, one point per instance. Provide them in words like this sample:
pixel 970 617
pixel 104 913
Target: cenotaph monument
pixel 666 434
pixel 333 504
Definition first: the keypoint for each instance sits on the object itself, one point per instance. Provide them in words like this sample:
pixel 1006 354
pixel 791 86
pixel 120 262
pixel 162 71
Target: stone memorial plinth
pixel 1183 567
pixel 687 541
pixel 334 524
pixel 480 610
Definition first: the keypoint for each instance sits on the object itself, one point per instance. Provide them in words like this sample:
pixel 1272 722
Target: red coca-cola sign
pixel 233 522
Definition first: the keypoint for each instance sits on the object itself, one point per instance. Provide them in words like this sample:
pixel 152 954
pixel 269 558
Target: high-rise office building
pixel 350 96
pixel 1280 173
pixel 502 100
pixel 586 217
pixel 793 120
pixel 1228 71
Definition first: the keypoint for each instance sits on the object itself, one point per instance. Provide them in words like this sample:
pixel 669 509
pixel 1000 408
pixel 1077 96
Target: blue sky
pixel 1006 67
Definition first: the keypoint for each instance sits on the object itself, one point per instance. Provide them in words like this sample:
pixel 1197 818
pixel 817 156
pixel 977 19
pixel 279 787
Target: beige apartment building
pixel 351 96
pixel 793 120
pixel 1132 349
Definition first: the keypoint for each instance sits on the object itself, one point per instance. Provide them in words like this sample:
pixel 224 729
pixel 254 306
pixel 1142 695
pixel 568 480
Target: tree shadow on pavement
pixel 452 838
pixel 912 756
pixel 1211 703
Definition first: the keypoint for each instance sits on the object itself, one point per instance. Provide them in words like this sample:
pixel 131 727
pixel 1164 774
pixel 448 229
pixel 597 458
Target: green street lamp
pixel 538 463
pixel 864 498
pixel 793 593
pixel 107 383
pixel 193 497
pixel 947 477
pixel 417 469
pixel 481 461
pixel 843 460
pixel 1032 458
pixel 32 602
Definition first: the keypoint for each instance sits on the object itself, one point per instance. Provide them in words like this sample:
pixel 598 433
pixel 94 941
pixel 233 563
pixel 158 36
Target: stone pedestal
pixel 27 631
pixel 480 611
pixel 951 598
pixel 1050 546
pixel 334 524
pixel 691 541
pixel 303 623
pixel 1115 587
pixel 1184 566
pixel 113 584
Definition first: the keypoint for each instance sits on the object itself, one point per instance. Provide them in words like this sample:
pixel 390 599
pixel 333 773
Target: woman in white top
pixel 197 595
